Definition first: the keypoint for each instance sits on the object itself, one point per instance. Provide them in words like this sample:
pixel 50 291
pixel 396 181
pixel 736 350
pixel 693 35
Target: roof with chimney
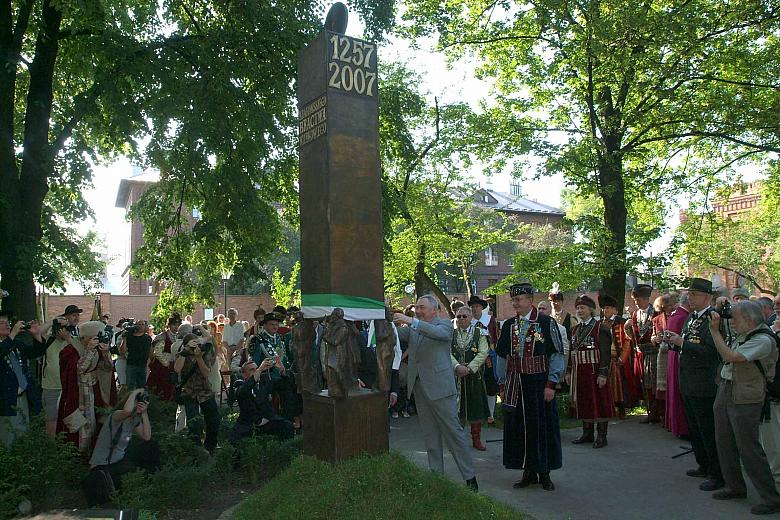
pixel 499 201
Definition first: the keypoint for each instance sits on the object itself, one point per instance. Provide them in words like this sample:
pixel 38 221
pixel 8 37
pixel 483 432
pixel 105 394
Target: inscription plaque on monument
pixel 340 186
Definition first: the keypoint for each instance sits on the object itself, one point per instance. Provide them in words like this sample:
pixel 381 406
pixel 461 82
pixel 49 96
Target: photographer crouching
pixel 114 456
pixel 749 362
pixel 256 415
pixel 194 392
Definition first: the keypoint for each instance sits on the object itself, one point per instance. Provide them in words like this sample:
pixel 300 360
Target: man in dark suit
pixel 432 381
pixel 699 363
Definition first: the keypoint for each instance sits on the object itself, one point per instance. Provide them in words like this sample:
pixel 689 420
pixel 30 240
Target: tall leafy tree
pixel 200 90
pixel 617 94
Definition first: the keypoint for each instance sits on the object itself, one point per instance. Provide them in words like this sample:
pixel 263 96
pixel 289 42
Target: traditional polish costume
pixel 620 344
pixel 470 349
pixel 161 367
pixel 591 346
pixel 641 324
pixel 533 350
pixel 675 410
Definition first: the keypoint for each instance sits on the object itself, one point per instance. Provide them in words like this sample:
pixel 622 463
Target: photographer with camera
pixel 136 346
pixel 50 383
pixel 87 375
pixel 256 415
pixel 749 364
pixel 699 362
pixel 194 391
pixel 114 455
pixel 20 397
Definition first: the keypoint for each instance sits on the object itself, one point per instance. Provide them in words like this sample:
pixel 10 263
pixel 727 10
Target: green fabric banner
pixel 340 300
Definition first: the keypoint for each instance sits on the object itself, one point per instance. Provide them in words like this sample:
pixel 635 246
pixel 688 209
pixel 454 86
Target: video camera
pixel 129 326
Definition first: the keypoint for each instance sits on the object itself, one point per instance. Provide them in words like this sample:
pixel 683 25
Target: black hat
pixel 584 299
pixel 477 300
pixel 642 291
pixel 272 316
pixel 606 300
pixel 699 285
pixel 279 309
pixel 521 288
pixel 70 309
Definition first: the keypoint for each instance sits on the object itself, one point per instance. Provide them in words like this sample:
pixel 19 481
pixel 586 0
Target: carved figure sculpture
pixel 339 363
pixel 303 336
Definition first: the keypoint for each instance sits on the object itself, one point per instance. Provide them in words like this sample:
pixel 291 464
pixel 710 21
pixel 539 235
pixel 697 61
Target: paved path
pixel 634 477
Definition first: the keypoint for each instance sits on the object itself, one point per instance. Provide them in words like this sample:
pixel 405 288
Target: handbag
pixel 75 421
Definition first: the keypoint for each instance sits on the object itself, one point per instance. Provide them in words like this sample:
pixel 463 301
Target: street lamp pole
pixel 225 277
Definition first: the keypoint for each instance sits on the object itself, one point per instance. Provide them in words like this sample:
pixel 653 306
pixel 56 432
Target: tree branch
pixel 712 135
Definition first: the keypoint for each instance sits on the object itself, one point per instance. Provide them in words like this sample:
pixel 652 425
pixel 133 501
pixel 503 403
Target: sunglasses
pixel 462 316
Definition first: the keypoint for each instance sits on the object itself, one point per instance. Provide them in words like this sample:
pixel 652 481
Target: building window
pixel 491 258
pixel 196 213
pixel 515 188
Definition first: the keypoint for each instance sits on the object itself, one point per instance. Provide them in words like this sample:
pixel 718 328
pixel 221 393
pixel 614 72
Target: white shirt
pixel 232 334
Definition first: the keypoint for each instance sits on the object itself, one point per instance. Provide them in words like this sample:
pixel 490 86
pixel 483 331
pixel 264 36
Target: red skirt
pixel 159 381
pixel 632 379
pixel 590 401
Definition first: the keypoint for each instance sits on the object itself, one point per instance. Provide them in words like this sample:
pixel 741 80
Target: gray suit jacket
pixel 429 350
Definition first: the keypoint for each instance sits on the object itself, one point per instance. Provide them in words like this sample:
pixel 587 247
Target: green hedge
pixel 381 487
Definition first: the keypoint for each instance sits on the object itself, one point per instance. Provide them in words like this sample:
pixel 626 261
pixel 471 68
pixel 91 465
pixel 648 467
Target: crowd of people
pixel 698 360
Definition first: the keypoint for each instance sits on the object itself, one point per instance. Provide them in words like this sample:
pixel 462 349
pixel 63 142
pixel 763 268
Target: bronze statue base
pixel 337 429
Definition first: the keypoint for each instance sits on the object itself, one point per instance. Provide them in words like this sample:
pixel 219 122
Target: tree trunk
pixel 20 227
pixel 612 189
pixel 466 280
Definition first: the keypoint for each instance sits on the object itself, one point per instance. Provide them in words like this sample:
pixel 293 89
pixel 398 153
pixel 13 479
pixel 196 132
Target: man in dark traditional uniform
pixel 699 363
pixel 620 346
pixel 640 329
pixel 533 349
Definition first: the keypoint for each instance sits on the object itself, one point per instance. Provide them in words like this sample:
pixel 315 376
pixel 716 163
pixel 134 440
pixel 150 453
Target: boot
pixel 621 411
pixel 601 438
pixel 544 480
pixel 587 434
pixel 529 477
pixel 476 429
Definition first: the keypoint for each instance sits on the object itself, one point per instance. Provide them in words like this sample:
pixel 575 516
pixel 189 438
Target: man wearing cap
pixel 19 396
pixel 591 356
pixel 699 362
pixel 533 349
pixel 640 329
pixel 558 313
pixel 73 315
pixel 620 347
pixel 740 294
pixel 485 319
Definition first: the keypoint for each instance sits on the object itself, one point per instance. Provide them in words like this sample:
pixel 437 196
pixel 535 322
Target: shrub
pixel 45 471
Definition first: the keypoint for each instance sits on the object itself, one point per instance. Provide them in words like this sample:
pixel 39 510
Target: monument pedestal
pixel 337 429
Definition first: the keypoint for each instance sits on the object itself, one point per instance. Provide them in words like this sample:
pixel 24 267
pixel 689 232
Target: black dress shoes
pixel 528 479
pixel 698 473
pixel 472 484
pixel 712 484
pixel 544 479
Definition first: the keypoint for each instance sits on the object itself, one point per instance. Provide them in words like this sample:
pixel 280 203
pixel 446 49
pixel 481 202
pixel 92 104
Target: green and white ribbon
pixel 355 307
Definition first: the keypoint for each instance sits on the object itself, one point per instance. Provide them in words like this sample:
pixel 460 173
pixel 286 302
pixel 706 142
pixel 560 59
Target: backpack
pixel 772 387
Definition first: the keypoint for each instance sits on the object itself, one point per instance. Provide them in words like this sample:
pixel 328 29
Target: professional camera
pixel 725 310
pixel 142 397
pixel 130 327
pixel 106 335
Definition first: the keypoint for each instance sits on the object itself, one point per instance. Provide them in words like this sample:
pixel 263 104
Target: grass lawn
pixel 382 487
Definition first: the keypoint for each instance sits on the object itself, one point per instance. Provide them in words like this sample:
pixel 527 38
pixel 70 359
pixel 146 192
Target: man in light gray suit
pixel 432 380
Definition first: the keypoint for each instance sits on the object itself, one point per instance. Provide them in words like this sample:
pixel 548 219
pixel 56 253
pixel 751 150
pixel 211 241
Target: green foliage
pixel 45 471
pixel 287 292
pixel 382 487
pixel 201 93
pixel 430 219
pixel 620 97
pixel 747 245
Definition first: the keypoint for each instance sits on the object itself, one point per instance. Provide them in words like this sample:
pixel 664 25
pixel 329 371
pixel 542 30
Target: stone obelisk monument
pixel 340 187
pixel 341 234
